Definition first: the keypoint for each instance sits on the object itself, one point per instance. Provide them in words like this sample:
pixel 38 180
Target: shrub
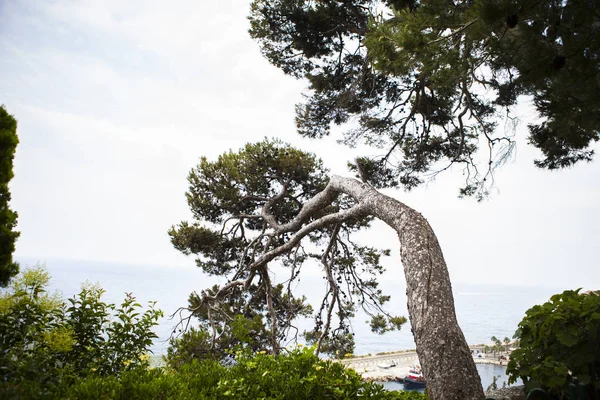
pixel 559 344
pixel 136 384
pixel 34 336
pixel 296 375
pixel 129 336
pixel 45 345
pixel 242 333
pixel 192 344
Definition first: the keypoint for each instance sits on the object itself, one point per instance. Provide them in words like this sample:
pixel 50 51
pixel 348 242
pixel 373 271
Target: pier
pixel 379 366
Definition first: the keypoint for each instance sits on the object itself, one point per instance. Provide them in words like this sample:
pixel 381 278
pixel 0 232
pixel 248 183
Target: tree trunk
pixel 445 357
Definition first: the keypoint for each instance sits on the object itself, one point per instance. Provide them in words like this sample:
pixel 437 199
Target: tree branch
pixel 333 289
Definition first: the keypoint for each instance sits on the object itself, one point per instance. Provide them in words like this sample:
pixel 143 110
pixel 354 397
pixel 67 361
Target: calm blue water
pixel 483 311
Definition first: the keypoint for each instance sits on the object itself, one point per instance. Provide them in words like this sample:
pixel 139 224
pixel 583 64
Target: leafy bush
pixel 241 333
pixel 94 350
pixel 87 316
pixel 45 344
pixel 559 344
pixel 192 344
pixel 137 384
pixel 34 336
pixel 296 375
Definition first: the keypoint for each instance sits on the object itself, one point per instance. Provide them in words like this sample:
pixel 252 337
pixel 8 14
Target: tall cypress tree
pixel 8 217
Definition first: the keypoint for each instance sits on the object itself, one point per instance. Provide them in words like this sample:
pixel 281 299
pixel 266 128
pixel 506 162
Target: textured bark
pixel 441 346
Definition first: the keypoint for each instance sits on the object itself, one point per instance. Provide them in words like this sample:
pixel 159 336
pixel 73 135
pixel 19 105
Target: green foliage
pixel 137 384
pixel 338 344
pixel 192 344
pixel 129 336
pixel 232 184
pixel 427 81
pixel 237 185
pixel 8 218
pixel 380 324
pixel 300 374
pixel 240 324
pixel 241 333
pixel 45 344
pixel 559 344
pixel 35 337
pixel 249 211
pixel 87 316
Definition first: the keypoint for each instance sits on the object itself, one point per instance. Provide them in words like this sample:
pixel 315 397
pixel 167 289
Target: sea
pixel 483 310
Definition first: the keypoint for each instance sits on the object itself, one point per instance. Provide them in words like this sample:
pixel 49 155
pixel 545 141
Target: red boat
pixel 414 378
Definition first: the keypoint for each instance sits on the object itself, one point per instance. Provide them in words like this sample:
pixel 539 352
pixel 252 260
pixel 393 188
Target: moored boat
pixel 414 378
pixel 387 366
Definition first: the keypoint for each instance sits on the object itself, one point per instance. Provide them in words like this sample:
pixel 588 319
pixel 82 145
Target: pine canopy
pixel 428 81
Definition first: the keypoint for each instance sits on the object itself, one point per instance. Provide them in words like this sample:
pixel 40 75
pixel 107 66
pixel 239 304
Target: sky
pixel 117 100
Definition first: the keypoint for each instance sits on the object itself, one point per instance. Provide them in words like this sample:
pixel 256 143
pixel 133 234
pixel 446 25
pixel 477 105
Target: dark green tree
pixel 235 201
pixel 270 204
pixel 427 80
pixel 8 217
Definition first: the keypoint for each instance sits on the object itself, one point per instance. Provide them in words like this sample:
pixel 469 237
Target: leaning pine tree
pixel 423 83
pixel 270 204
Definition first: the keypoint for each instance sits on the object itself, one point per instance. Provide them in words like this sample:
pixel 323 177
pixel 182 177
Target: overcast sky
pixel 117 100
